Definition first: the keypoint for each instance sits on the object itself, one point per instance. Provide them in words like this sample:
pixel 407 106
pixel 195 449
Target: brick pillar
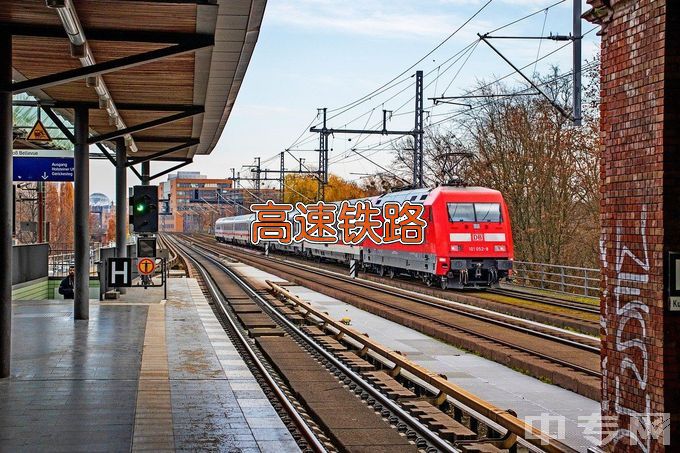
pixel 640 218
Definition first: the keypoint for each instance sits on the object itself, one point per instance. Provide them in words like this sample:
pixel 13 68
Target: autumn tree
pixel 111 229
pixel 59 197
pixel 304 189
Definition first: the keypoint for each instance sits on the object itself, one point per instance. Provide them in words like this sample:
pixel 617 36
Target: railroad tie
pixel 480 448
pixel 420 407
pixel 354 361
pixel 331 343
pixel 448 427
pixel 314 331
pixel 265 332
pixel 249 308
pixel 388 385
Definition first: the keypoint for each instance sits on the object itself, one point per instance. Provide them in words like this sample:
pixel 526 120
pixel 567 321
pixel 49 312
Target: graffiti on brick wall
pixel 630 319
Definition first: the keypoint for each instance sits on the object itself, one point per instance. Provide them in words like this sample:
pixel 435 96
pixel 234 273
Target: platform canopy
pixel 161 74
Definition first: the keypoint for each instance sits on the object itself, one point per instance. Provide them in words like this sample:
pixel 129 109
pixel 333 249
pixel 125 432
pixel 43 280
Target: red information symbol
pixel 146 266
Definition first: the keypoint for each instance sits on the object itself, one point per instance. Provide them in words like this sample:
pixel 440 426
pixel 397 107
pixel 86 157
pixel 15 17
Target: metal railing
pixel 581 281
pixel 59 262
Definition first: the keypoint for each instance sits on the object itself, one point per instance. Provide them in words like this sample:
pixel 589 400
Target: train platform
pixel 564 414
pixel 143 374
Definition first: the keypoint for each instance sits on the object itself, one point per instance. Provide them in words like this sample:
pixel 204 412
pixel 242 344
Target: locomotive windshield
pixel 461 212
pixel 474 212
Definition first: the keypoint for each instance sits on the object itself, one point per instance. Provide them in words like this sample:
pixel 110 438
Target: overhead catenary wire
pixel 461 52
pixel 407 70
pixel 397 81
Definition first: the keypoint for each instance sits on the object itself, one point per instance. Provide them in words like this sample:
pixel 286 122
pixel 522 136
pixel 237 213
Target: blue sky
pixel 327 53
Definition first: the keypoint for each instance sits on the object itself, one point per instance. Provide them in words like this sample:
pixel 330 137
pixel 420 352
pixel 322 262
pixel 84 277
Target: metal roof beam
pixel 144 126
pixel 177 2
pixel 106 34
pixel 106 153
pixel 95 105
pixel 164 139
pixel 162 153
pixel 171 169
pixel 110 66
pixel 60 124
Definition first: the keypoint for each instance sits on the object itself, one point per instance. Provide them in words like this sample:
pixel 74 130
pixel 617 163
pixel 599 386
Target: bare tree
pixel 444 156
pixel 547 169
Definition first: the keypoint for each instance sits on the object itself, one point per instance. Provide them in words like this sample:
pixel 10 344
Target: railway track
pixel 571 315
pixel 546 300
pixel 531 308
pixel 562 357
pixel 420 417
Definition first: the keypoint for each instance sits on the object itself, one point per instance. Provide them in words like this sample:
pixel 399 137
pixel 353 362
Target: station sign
pixel 42 165
pixel 674 281
pixel 120 272
pixel 146 266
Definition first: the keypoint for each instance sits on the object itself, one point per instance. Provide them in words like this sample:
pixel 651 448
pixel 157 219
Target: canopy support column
pixel 6 194
pixel 81 243
pixel 121 201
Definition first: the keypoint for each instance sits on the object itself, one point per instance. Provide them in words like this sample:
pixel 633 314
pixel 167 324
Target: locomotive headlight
pixel 456 248
pixel 499 248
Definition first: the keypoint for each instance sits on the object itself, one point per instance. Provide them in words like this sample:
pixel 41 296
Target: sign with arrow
pixel 42 165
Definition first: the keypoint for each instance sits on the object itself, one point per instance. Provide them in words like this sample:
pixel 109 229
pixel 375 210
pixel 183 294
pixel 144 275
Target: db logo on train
pixel 477 237
pixel 146 266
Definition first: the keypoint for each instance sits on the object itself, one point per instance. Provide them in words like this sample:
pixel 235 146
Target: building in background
pixel 102 213
pixel 192 202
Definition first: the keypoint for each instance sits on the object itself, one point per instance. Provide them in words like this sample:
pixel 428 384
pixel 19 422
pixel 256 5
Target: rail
pixel 309 435
pixel 501 417
pixel 581 281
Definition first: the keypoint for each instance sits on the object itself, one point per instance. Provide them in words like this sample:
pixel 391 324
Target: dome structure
pixel 99 200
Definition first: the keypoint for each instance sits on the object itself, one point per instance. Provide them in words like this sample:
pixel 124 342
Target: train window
pixel 422 197
pixel 488 212
pixel 461 212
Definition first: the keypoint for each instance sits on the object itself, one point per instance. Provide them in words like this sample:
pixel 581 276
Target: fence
pixel 59 262
pixel 554 277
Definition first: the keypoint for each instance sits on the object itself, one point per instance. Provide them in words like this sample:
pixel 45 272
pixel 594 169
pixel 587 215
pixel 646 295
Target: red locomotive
pixel 468 240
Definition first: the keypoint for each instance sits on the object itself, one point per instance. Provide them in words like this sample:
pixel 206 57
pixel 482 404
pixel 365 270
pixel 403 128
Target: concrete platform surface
pixel 141 375
pixel 564 414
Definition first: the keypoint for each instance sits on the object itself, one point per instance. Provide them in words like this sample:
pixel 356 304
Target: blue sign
pixel 42 165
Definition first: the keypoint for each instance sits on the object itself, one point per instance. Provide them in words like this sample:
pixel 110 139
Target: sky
pixel 327 53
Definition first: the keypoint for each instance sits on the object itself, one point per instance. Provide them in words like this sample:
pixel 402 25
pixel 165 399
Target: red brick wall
pixel 639 216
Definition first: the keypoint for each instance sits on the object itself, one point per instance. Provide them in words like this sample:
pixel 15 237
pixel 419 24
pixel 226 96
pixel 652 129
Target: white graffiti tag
pixel 630 318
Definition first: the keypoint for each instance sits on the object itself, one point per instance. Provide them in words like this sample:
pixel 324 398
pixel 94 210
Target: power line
pixel 368 96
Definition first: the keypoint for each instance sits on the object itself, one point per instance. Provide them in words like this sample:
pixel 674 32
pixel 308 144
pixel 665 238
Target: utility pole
pixel 323 159
pixel 576 48
pixel 282 172
pixel 417 134
pixel 418 180
pixel 282 176
pixel 258 178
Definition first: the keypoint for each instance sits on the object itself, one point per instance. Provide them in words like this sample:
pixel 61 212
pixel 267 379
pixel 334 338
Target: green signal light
pixel 140 208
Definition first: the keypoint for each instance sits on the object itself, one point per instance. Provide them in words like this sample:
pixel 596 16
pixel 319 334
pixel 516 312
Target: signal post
pixel 143 205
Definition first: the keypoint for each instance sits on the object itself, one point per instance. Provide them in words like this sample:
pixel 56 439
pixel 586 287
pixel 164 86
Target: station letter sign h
pixel 120 272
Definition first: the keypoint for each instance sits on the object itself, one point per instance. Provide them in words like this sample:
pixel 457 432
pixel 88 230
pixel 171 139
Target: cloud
pixel 367 18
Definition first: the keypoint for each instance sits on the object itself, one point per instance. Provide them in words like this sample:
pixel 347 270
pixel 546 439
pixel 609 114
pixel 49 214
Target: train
pixel 467 241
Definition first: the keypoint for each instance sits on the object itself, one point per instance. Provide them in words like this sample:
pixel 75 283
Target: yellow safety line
pixel 153 418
